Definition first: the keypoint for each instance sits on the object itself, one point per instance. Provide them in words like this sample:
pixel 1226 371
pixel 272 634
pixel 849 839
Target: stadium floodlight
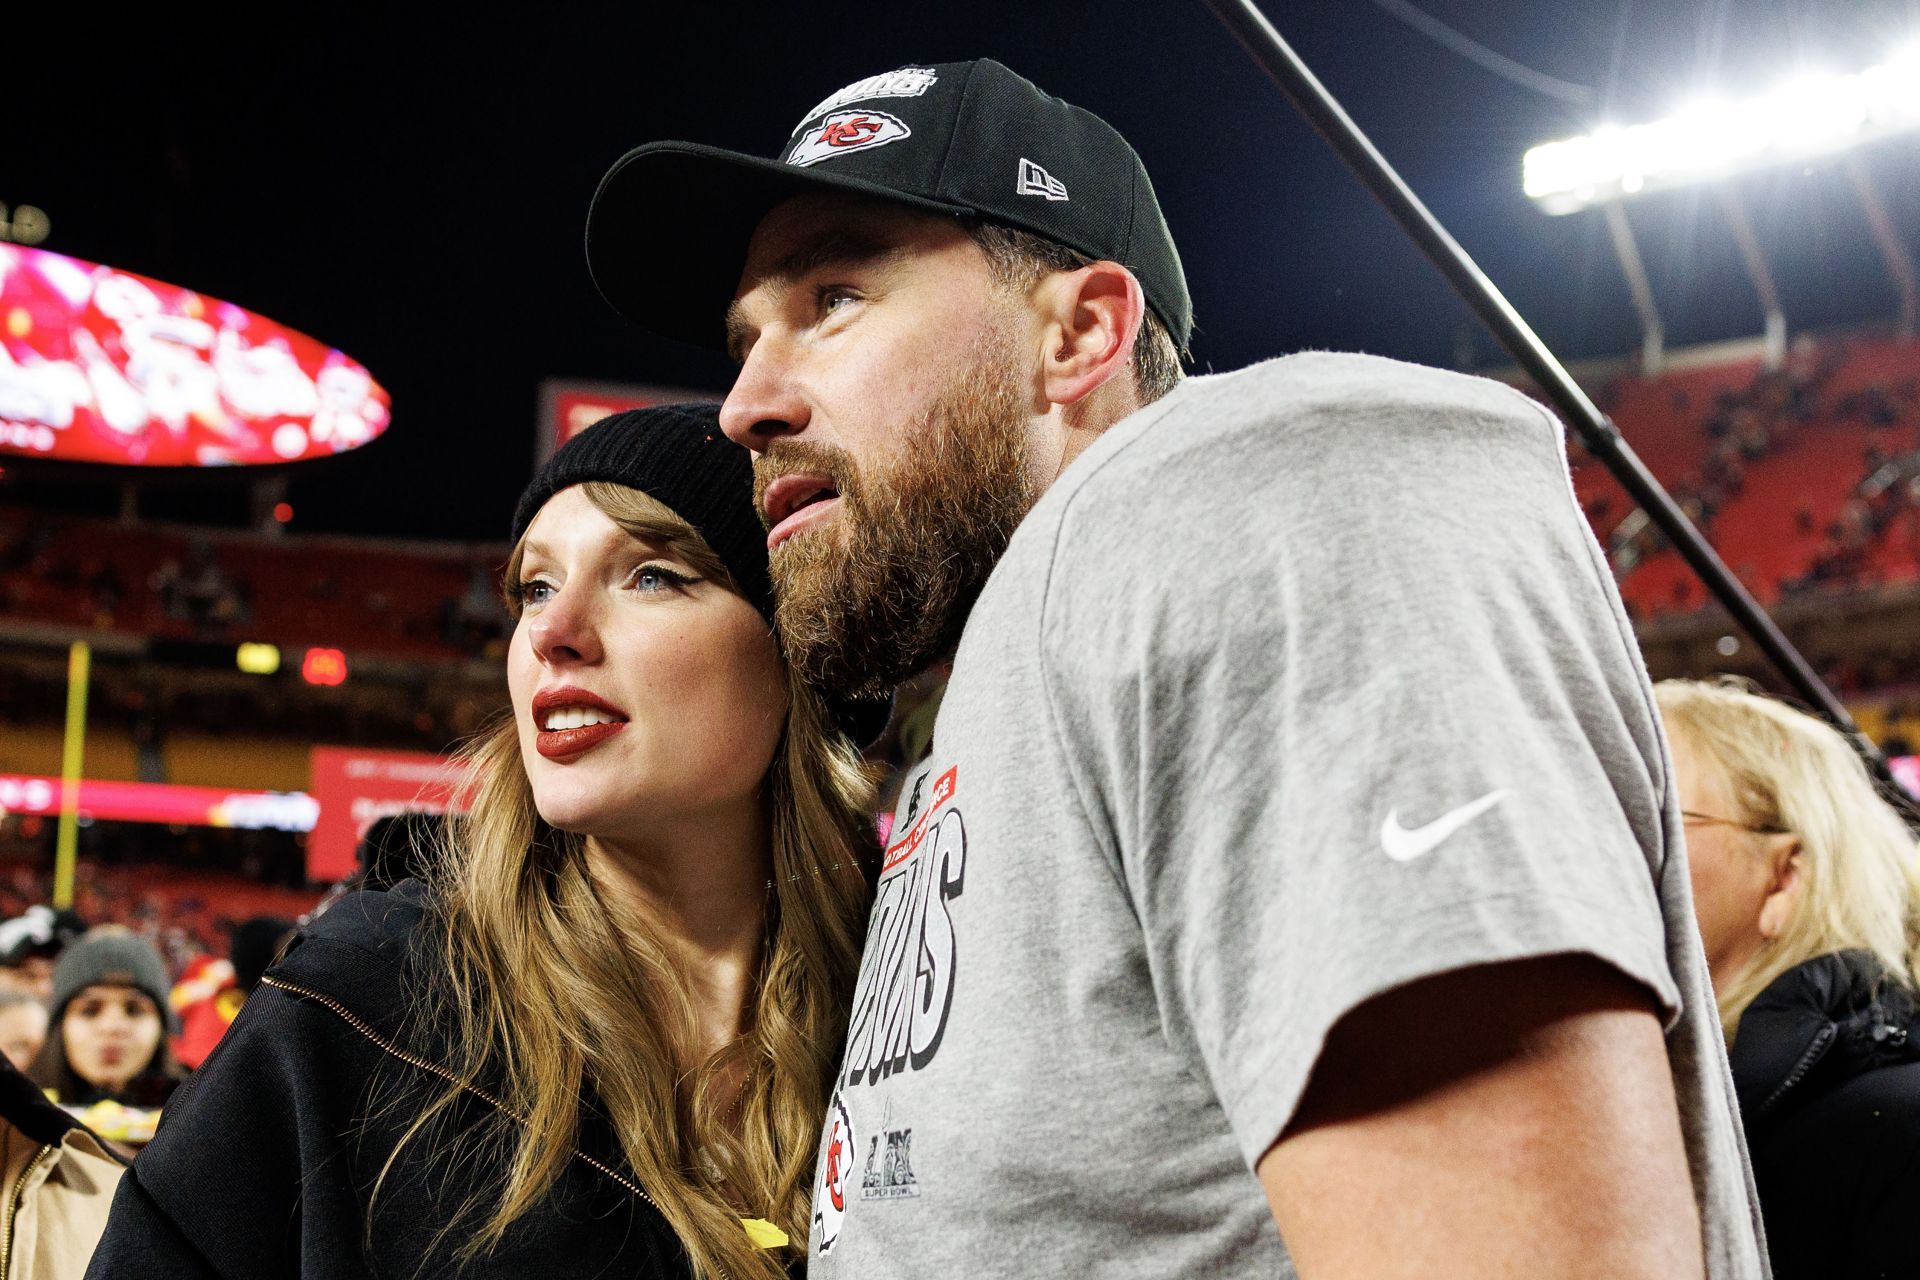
pixel 1809 116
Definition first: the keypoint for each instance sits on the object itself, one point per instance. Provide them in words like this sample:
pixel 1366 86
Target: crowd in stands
pixel 1803 477
pixel 185 914
pixel 96 1016
pixel 202 585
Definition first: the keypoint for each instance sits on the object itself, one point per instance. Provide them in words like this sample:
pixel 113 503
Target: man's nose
pixel 765 402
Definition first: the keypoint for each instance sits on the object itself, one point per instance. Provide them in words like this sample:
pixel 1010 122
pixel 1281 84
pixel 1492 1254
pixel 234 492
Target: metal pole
pixel 1278 59
pixel 73 752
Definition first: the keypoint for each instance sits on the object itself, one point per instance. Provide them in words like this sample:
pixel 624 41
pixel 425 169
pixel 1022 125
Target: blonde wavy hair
pixel 1790 772
pixel 550 991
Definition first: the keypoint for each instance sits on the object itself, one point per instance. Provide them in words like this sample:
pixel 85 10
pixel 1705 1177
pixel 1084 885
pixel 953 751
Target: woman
pixel 598 1041
pixel 106 1041
pixel 1808 897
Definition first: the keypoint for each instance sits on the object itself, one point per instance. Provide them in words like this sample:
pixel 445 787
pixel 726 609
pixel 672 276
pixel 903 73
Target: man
pixel 1296 848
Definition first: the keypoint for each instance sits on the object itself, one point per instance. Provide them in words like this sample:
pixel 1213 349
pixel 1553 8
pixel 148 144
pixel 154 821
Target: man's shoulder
pixel 1309 381
pixel 1314 409
pixel 1302 422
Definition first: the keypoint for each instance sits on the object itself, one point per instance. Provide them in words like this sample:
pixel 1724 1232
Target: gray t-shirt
pixel 1301 684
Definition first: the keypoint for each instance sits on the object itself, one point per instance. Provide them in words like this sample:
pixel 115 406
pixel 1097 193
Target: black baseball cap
pixel 669 226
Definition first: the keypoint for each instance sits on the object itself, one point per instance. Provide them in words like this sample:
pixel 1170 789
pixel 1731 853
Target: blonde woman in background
pixel 1808 895
pixel 598 1041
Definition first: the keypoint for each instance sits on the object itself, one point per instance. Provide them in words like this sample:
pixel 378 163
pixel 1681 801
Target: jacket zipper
pixel 421 1064
pixel 1818 1047
pixel 14 1197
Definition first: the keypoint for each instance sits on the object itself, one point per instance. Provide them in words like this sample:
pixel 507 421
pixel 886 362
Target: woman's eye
pixel 657 577
pixel 530 592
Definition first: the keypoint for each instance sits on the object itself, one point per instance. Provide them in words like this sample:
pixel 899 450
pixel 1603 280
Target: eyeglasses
pixel 1687 815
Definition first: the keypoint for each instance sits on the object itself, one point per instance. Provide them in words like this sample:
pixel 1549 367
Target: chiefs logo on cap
pixel 844 132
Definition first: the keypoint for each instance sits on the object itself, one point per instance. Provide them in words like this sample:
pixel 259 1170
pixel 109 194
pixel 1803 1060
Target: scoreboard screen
pixel 102 365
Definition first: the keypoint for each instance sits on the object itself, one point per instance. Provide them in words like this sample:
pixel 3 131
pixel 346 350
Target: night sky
pixel 413 189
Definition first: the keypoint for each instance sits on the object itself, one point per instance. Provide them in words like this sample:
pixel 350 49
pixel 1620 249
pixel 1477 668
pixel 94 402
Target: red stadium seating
pixel 337 593
pixel 1774 531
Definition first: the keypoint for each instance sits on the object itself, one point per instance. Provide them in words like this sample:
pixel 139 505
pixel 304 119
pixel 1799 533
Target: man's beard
pixel 882 592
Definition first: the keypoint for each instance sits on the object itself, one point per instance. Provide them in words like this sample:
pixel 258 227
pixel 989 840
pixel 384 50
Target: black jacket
pixel 1827 1066
pixel 266 1158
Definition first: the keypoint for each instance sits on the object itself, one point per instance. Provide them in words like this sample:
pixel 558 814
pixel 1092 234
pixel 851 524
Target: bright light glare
pixel 1808 116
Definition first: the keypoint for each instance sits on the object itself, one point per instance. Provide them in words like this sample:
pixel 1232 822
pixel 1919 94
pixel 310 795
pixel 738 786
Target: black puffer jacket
pixel 1827 1066
pixel 267 1156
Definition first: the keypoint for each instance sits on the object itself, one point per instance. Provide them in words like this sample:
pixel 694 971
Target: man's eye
pixel 832 297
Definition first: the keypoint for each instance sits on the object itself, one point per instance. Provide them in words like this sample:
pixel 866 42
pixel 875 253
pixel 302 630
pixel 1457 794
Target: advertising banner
pixel 161 802
pixel 101 365
pixel 568 408
pixel 355 788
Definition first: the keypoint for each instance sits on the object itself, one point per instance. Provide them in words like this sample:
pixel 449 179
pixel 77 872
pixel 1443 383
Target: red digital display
pixel 101 365
pixel 324 667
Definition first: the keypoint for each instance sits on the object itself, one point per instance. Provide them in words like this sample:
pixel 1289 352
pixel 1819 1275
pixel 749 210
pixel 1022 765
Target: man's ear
pixel 1089 321
pixel 1789 885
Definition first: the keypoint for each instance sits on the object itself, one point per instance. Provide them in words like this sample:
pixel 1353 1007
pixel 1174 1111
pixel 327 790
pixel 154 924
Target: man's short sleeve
pixel 1342 684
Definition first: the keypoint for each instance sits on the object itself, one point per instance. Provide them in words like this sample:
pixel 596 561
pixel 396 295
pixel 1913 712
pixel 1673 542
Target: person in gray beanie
pixel 108 1039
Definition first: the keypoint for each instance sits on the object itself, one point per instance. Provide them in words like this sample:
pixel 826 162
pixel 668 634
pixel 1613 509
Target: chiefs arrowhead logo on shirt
pixel 835 1168
pixel 844 132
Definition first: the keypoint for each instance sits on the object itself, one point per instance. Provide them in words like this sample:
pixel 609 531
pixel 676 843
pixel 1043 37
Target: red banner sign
pixel 101 365
pixel 162 802
pixel 568 408
pixel 355 789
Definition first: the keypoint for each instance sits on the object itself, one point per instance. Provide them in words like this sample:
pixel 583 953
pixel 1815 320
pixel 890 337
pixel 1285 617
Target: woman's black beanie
pixel 677 455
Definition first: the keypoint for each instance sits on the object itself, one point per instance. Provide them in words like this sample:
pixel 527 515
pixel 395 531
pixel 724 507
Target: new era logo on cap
pixel 844 132
pixel 1035 181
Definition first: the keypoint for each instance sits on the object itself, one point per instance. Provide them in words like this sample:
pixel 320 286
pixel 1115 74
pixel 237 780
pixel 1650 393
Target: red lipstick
pixel 564 744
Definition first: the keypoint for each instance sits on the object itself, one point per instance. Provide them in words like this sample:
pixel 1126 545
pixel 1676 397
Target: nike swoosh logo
pixel 1404 845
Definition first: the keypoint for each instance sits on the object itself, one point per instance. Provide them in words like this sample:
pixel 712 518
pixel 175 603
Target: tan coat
pixel 55 1203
